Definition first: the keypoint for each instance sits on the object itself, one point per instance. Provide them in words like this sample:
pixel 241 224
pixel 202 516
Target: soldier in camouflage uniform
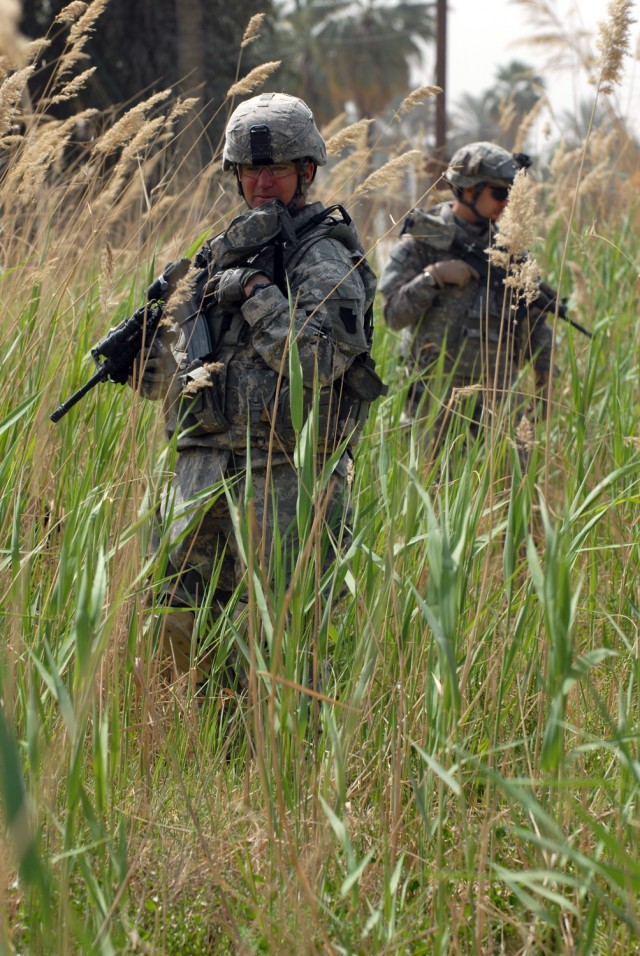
pixel 221 363
pixel 443 302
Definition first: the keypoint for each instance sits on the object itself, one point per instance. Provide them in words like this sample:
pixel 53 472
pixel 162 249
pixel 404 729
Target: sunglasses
pixel 500 192
pixel 275 170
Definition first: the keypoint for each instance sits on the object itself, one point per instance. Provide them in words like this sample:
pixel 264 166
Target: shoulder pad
pixel 430 228
pixel 345 234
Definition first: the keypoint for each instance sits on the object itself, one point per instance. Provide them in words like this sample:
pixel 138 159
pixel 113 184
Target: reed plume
pixel 11 93
pixel 351 135
pixel 79 33
pixel 252 31
pixel 613 43
pixel 254 79
pixel 73 87
pixel 129 125
pixel 333 126
pixel 71 12
pixel 389 173
pixel 517 234
pixel 417 97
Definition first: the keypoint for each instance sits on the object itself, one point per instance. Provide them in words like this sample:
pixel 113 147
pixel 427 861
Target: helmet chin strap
pixel 303 184
pixel 471 204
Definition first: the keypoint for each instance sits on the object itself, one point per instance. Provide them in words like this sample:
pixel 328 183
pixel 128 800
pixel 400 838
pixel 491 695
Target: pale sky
pixel 481 38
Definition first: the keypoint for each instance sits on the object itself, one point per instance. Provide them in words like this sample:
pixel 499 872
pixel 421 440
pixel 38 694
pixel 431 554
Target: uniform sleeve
pixel 408 294
pixel 328 301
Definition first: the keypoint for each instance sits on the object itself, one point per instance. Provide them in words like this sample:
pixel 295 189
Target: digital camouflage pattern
pixel 286 131
pixel 483 162
pixel 480 346
pixel 233 403
pixel 245 380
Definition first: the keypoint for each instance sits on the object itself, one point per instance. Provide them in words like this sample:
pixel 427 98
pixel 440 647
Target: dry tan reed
pixel 71 89
pixel 333 126
pixel 354 134
pixel 507 116
pixel 417 97
pixel 562 39
pixel 10 38
pixel 338 181
pixel 390 172
pixel 41 150
pixel 182 107
pixel 182 293
pixel 71 12
pixel 83 27
pixel 79 33
pixel 518 221
pixel 516 236
pixel 128 125
pixel 582 293
pixel 34 49
pixel 613 43
pixel 527 122
pixel 254 79
pixel 11 93
pixel 596 181
pixel 524 435
pixel 200 384
pixel 106 279
pixel 253 29
pixel 131 159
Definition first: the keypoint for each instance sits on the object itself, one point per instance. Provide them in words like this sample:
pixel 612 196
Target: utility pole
pixel 441 78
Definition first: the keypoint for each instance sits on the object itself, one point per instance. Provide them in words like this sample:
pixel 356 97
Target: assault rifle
pixel 546 299
pixel 116 353
pixel 118 350
pixel 267 227
pixel 255 238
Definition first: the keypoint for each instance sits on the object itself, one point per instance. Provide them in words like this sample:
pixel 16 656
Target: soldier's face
pixel 489 205
pixel 262 183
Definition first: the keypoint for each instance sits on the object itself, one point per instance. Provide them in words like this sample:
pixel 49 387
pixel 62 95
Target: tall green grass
pixel 438 749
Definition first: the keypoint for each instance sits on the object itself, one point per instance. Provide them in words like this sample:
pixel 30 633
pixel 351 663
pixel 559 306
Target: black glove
pixel 153 370
pixel 231 286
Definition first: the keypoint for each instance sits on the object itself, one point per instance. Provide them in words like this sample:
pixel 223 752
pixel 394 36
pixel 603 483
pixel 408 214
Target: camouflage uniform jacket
pixel 240 394
pixel 475 332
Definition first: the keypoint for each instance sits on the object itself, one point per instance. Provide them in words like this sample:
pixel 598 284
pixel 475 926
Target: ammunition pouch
pixel 203 391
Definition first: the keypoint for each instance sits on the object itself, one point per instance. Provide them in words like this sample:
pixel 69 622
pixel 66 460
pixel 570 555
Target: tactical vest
pixel 223 396
pixel 470 323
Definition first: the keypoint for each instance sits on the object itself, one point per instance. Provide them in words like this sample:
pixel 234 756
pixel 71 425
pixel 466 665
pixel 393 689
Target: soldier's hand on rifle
pixel 154 370
pixel 451 272
pixel 235 285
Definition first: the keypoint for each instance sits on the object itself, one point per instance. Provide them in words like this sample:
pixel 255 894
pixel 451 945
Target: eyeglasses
pixel 275 170
pixel 500 192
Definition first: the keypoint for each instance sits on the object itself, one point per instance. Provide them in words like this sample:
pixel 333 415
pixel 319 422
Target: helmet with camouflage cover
pixel 484 164
pixel 272 128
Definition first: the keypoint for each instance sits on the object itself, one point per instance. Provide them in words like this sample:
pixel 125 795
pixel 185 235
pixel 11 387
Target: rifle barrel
pixel 100 376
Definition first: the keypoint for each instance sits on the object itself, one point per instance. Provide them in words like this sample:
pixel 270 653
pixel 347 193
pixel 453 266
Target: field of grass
pixel 466 776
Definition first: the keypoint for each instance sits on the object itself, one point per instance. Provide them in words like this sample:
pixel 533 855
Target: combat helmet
pixel 272 128
pixel 484 164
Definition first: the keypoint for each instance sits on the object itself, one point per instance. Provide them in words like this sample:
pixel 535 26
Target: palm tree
pixel 518 88
pixel 292 36
pixel 372 46
pixel 473 118
pixel 357 52
pixel 497 113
